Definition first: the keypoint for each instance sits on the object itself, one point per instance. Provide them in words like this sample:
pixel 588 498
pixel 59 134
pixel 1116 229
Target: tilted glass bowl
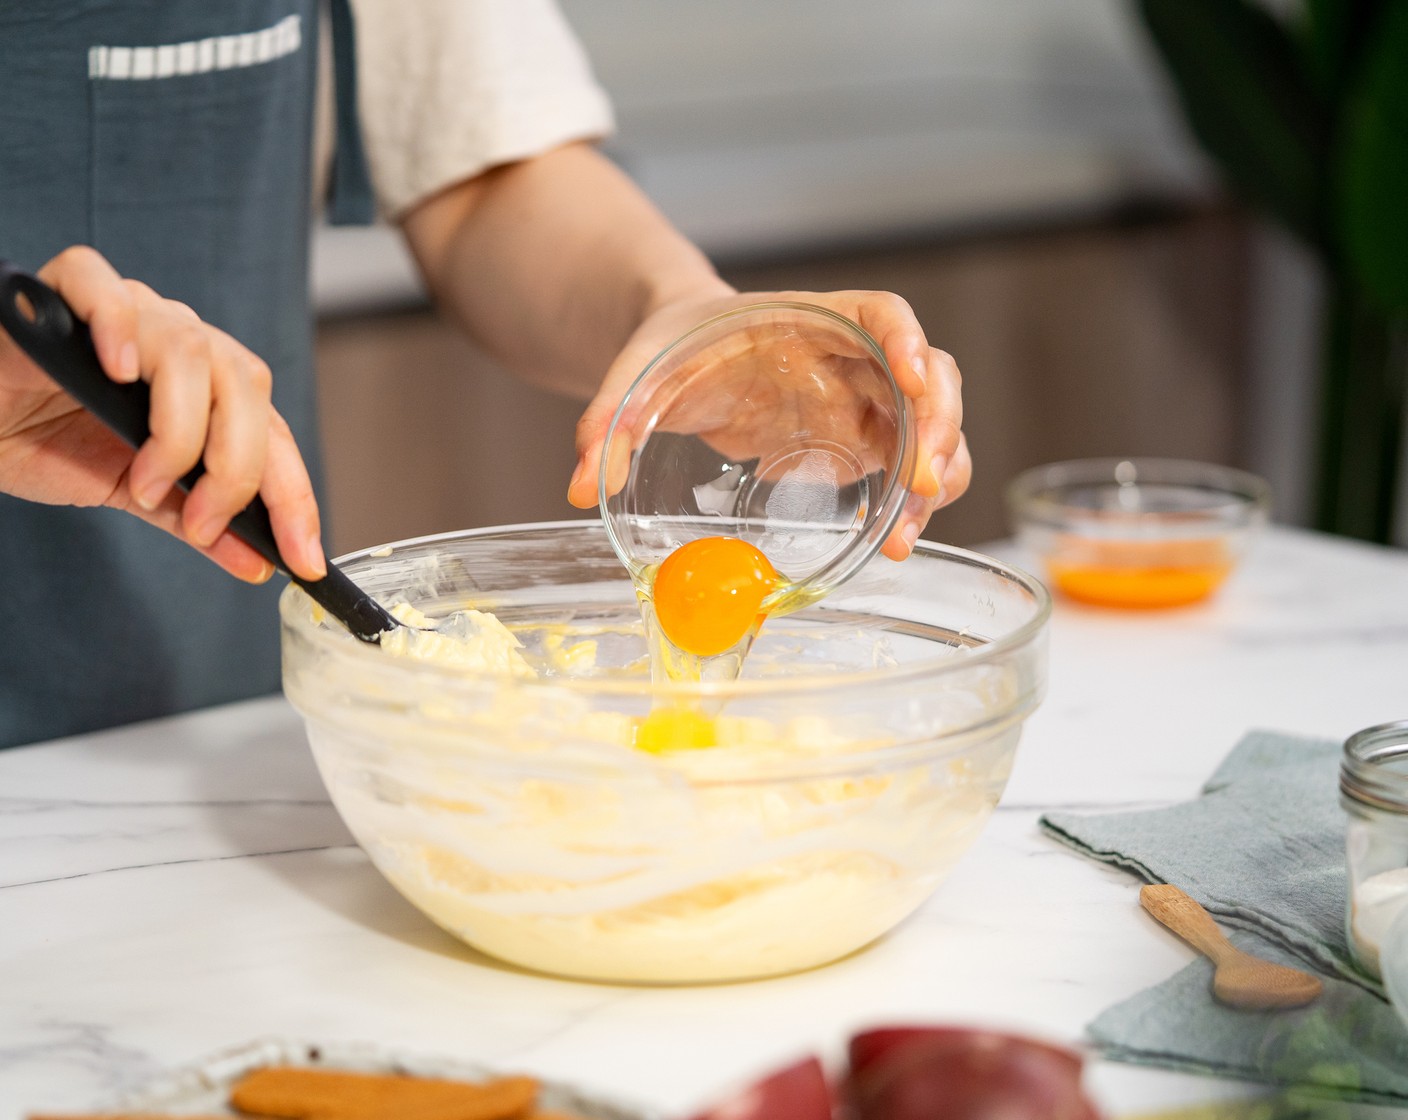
pixel 778 423
pixel 857 758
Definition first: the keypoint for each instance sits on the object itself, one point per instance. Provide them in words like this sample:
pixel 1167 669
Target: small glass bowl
pixel 778 423
pixel 857 758
pixel 1137 533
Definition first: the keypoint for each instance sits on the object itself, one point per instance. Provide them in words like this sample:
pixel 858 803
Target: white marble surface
pixel 174 889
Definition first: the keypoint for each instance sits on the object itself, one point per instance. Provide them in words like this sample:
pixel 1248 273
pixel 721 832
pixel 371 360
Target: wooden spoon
pixel 1239 979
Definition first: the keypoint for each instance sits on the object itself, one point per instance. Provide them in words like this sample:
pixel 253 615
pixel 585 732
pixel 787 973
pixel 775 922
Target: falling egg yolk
pixel 708 593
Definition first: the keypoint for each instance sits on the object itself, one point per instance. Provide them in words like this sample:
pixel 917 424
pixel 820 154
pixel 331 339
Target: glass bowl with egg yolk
pixel 555 807
pixel 1137 533
pixel 757 463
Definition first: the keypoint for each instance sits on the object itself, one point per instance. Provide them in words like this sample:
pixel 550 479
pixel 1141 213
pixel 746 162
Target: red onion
pixel 799 1092
pixel 924 1073
pixel 948 1073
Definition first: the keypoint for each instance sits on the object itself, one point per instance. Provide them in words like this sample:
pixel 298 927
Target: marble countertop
pixel 178 888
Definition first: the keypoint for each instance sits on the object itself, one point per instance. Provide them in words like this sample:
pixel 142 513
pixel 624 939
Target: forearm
pixel 552 263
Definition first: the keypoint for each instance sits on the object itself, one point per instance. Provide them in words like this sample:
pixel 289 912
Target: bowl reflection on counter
pixel 856 760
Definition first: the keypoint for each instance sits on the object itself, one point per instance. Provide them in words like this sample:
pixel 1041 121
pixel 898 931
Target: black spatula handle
pixel 45 327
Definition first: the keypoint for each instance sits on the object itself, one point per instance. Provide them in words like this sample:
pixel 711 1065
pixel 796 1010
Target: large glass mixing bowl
pixel 572 823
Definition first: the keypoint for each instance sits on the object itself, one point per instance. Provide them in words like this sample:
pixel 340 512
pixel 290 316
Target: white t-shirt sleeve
pixel 449 88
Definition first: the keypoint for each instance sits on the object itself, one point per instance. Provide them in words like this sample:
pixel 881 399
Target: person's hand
pixel 210 401
pixel 928 376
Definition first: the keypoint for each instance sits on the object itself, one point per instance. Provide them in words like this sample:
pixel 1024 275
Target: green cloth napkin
pixel 1263 850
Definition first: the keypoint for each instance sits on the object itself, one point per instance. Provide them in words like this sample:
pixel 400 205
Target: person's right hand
pixel 925 374
pixel 210 401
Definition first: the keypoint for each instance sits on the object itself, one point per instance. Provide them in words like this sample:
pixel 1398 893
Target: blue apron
pixel 175 136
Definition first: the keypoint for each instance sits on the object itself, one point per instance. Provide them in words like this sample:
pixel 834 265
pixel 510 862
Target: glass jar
pixel 1374 792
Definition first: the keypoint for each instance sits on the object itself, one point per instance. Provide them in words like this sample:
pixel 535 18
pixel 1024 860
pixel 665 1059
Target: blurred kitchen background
pixel 1016 169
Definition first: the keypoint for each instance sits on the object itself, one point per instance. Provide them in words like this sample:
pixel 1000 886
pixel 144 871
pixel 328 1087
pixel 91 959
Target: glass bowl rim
pixel 299 619
pixel 896 493
pixel 1247 496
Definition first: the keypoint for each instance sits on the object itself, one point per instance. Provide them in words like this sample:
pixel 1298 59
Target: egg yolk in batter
pixel 708 593
pixel 675 728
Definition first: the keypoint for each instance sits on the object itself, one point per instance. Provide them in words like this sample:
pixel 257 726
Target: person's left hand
pixel 928 376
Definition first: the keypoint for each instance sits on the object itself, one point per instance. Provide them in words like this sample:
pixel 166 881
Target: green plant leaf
pixel 1371 206
pixel 1363 391
pixel 1248 95
pixel 1334 34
